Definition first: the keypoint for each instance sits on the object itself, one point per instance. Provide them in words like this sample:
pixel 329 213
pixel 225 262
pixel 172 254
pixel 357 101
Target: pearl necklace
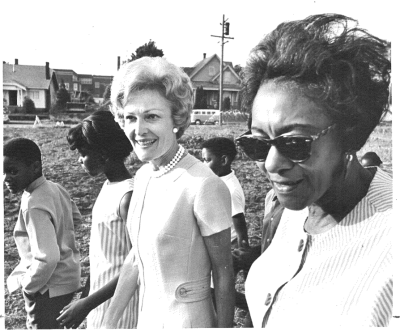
pixel 178 156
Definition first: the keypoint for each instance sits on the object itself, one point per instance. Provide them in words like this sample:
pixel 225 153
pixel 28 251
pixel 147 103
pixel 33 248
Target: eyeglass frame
pixel 270 141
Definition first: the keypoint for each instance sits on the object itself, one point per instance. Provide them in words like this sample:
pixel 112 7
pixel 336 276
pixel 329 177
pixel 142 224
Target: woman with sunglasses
pixel 317 88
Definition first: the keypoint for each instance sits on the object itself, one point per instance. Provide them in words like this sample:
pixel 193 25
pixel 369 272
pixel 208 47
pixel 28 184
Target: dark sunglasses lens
pixel 294 148
pixel 255 149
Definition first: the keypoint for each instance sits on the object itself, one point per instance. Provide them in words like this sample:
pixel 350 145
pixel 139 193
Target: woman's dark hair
pixel 100 132
pixel 221 146
pixel 339 66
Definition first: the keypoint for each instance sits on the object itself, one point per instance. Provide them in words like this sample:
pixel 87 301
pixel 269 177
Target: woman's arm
pixel 126 288
pixel 219 249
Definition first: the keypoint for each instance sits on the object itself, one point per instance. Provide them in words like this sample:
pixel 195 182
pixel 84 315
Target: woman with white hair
pixel 179 217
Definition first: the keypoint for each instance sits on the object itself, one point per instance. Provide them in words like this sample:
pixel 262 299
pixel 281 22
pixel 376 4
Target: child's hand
pixel 73 314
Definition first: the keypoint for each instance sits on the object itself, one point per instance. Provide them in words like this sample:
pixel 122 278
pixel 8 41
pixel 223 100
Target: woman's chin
pixel 292 203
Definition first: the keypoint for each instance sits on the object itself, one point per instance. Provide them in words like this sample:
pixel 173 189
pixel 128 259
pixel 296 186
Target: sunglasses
pixel 297 148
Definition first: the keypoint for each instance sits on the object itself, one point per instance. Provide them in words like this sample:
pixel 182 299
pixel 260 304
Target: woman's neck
pixel 115 171
pixel 166 158
pixel 345 193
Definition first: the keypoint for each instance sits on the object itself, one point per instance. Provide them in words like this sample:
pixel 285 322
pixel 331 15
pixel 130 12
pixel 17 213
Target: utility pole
pixel 225 32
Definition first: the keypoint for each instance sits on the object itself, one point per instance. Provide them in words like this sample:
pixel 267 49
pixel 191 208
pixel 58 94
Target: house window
pixel 97 85
pixel 86 80
pixel 75 86
pixel 66 86
pixel 211 70
pixel 34 94
pixel 74 78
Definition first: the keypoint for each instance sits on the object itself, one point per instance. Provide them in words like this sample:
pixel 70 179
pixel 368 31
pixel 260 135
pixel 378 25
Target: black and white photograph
pixel 199 164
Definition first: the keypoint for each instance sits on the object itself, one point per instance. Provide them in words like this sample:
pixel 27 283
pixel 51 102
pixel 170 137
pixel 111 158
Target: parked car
pixel 204 116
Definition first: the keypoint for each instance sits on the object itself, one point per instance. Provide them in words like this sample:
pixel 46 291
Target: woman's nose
pixel 138 128
pixel 276 162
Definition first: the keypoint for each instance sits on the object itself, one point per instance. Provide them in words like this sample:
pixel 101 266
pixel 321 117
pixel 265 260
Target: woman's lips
pixel 286 186
pixel 145 142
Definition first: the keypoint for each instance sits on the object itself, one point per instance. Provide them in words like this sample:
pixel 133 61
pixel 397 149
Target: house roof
pixel 192 71
pixel 188 70
pixel 61 71
pixel 31 77
pixel 226 68
pixel 198 66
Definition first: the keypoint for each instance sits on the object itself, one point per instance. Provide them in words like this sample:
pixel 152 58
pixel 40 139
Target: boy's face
pixel 212 161
pixel 17 175
pixel 91 161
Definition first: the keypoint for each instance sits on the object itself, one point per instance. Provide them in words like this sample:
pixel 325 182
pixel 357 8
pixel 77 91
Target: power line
pixel 225 32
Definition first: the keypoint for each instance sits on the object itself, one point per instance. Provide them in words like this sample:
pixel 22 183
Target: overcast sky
pixel 88 36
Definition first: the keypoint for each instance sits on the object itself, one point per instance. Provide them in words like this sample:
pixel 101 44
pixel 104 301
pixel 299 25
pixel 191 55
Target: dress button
pixel 301 245
pixel 268 300
pixel 182 292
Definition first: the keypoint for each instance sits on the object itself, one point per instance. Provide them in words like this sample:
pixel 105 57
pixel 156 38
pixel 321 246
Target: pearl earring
pixel 175 130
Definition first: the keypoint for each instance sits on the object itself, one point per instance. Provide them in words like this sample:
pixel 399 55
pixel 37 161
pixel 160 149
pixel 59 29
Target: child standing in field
pixel 103 147
pixel 49 270
pixel 218 153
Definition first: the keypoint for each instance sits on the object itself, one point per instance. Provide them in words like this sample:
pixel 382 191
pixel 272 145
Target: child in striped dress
pixel 103 146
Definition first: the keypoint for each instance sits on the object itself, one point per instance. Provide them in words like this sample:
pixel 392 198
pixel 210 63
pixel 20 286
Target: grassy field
pixel 61 165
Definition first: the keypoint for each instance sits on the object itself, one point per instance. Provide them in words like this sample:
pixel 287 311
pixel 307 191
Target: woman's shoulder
pixel 380 193
pixel 195 167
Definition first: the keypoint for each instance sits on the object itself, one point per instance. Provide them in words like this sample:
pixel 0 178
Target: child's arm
pixel 76 215
pixel 239 222
pixel 44 250
pixel 126 288
pixel 74 313
pixel 124 206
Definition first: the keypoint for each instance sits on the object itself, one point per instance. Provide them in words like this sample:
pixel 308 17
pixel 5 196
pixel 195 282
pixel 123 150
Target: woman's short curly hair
pixel 155 73
pixel 338 65
pixel 101 133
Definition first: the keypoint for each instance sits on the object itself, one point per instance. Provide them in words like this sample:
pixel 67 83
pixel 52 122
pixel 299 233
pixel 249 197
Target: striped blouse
pixel 109 246
pixel 340 278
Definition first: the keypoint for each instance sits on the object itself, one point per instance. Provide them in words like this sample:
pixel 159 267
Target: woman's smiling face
pixel 281 110
pixel 149 125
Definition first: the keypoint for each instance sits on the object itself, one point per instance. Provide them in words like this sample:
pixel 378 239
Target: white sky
pixel 88 36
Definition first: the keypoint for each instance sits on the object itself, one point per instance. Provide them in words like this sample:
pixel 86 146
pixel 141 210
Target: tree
pixel 62 96
pixel 148 49
pixel 226 105
pixel 201 99
pixel 28 106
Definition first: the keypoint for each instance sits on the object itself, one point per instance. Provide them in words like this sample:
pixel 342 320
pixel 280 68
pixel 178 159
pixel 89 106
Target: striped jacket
pixel 340 278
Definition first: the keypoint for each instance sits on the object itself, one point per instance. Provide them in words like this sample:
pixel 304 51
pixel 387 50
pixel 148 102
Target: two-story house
pixel 206 74
pixel 69 78
pixel 39 83
pixel 75 83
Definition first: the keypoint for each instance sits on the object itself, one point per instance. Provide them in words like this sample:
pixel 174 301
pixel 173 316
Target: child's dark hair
pixel 373 158
pixel 220 146
pixel 100 132
pixel 22 149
